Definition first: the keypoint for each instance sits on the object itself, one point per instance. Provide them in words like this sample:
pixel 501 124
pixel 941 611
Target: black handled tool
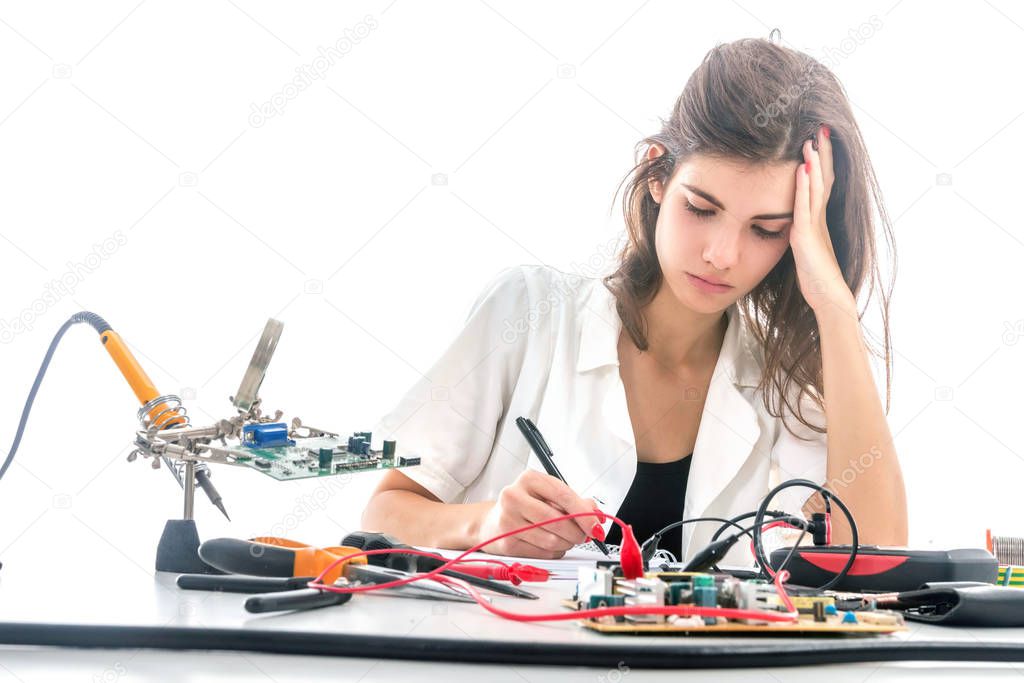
pixel 242 583
pixel 409 562
pixel 307 598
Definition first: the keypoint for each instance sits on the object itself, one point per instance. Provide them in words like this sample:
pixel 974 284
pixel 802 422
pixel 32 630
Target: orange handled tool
pixel 161 414
pixel 273 556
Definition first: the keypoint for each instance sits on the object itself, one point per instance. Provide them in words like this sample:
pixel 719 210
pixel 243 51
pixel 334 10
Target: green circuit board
pixel 304 460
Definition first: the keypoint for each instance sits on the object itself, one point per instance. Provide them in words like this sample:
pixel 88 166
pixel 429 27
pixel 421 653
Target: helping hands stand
pixel 167 436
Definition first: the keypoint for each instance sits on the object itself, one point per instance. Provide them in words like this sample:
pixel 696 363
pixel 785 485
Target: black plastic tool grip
pixel 241 583
pixel 307 598
pixel 235 556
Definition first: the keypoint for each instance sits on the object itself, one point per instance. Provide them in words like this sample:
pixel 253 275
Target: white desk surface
pixel 38 586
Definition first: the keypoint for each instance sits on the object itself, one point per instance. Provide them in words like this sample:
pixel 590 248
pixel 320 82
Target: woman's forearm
pixel 862 469
pixel 416 520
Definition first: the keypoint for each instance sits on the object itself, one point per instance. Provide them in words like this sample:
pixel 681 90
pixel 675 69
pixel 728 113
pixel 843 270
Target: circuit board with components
pixel 319 456
pixel 817 612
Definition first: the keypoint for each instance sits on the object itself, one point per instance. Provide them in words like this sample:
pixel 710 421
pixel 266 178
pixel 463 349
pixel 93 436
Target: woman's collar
pixel 601 326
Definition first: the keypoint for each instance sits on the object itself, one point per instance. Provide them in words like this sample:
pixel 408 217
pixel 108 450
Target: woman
pixel 703 370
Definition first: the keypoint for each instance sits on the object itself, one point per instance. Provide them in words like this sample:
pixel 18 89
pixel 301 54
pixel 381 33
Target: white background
pixel 133 122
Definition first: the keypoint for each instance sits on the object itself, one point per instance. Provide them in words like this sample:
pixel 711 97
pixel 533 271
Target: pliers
pixel 353 575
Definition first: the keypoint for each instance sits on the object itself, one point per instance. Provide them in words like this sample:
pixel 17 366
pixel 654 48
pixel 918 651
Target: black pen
pixel 540 447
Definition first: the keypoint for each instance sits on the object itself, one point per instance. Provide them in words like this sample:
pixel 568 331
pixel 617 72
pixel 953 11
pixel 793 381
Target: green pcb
pixel 320 456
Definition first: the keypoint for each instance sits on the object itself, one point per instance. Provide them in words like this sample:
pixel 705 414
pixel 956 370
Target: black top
pixel 655 500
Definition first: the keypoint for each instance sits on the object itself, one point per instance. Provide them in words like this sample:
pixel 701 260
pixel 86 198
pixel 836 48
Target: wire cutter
pixel 353 575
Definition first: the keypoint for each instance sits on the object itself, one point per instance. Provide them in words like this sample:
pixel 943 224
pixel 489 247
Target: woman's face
pixel 728 220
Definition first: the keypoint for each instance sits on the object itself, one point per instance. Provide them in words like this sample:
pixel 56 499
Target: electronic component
pixel 646 592
pixel 886 569
pixel 680 593
pixel 807 611
pixel 705 594
pixel 600 601
pixel 1009 553
pixel 266 435
pixel 592 581
pixel 325 457
pixel 1010 575
pixel 321 454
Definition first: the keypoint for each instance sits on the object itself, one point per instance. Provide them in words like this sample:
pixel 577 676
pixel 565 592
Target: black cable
pixel 649 547
pixel 776 514
pixel 82 317
pixel 652 542
pixel 827 495
pixel 792 551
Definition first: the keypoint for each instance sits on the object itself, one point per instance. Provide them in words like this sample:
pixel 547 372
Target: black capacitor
pixel 819 535
pixel 389 450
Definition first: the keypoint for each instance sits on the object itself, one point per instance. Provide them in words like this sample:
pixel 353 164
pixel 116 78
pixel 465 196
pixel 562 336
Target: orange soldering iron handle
pixel 137 378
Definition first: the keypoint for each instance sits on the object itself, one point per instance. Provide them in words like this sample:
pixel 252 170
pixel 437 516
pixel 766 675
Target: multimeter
pixel 883 569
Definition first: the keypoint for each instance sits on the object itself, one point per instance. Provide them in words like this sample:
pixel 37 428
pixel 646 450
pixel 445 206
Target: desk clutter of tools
pixel 281 575
pixel 284 575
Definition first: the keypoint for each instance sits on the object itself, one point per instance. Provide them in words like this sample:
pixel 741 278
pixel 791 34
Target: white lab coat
pixel 543 344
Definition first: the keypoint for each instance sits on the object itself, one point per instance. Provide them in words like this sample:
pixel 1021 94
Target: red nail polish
pixel 826 131
pixel 597 531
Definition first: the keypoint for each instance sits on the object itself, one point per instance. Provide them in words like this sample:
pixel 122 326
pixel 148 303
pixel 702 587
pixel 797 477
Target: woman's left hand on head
pixel 818 273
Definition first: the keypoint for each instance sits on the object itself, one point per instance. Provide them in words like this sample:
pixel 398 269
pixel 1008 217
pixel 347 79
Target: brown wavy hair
pixel 757 101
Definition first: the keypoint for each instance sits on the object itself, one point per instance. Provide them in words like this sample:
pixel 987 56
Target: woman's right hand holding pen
pixel 534 497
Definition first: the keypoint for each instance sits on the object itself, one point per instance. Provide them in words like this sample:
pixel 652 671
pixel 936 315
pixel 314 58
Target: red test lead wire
pixel 318 581
pixel 668 610
pixel 516 573
pixel 766 527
